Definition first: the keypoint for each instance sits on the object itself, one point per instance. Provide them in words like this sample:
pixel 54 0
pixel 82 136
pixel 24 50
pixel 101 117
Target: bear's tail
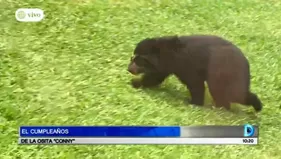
pixel 253 99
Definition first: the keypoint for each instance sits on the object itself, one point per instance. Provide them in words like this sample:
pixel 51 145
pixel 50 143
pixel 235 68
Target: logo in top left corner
pixel 29 15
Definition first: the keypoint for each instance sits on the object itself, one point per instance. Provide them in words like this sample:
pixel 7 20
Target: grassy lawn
pixel 70 69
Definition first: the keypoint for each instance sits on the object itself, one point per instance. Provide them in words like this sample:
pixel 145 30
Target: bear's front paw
pixel 136 83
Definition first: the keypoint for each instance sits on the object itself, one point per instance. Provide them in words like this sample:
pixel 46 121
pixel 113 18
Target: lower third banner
pixel 139 141
pixel 246 134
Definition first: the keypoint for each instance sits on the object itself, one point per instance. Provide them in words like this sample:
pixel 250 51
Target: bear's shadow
pixel 171 95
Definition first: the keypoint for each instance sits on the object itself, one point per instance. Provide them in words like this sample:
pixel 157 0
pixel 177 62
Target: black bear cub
pixel 193 60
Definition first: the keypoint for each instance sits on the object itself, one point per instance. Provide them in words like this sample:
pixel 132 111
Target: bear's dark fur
pixel 193 60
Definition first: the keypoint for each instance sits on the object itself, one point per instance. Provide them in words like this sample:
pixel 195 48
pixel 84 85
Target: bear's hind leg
pixel 220 95
pixel 222 101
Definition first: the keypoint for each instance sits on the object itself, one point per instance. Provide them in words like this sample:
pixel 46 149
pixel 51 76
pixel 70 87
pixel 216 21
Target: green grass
pixel 70 69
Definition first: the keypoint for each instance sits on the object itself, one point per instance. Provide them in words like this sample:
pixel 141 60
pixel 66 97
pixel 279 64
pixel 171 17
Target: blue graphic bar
pixel 99 131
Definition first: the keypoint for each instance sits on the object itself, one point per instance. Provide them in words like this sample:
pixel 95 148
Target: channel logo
pixel 29 15
pixel 249 130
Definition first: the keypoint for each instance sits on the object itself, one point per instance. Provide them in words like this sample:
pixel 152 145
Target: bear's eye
pixel 140 61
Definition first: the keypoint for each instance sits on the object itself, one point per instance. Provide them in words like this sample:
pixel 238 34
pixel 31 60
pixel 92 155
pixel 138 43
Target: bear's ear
pixel 168 43
pixel 151 44
pixel 172 41
pixel 146 46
